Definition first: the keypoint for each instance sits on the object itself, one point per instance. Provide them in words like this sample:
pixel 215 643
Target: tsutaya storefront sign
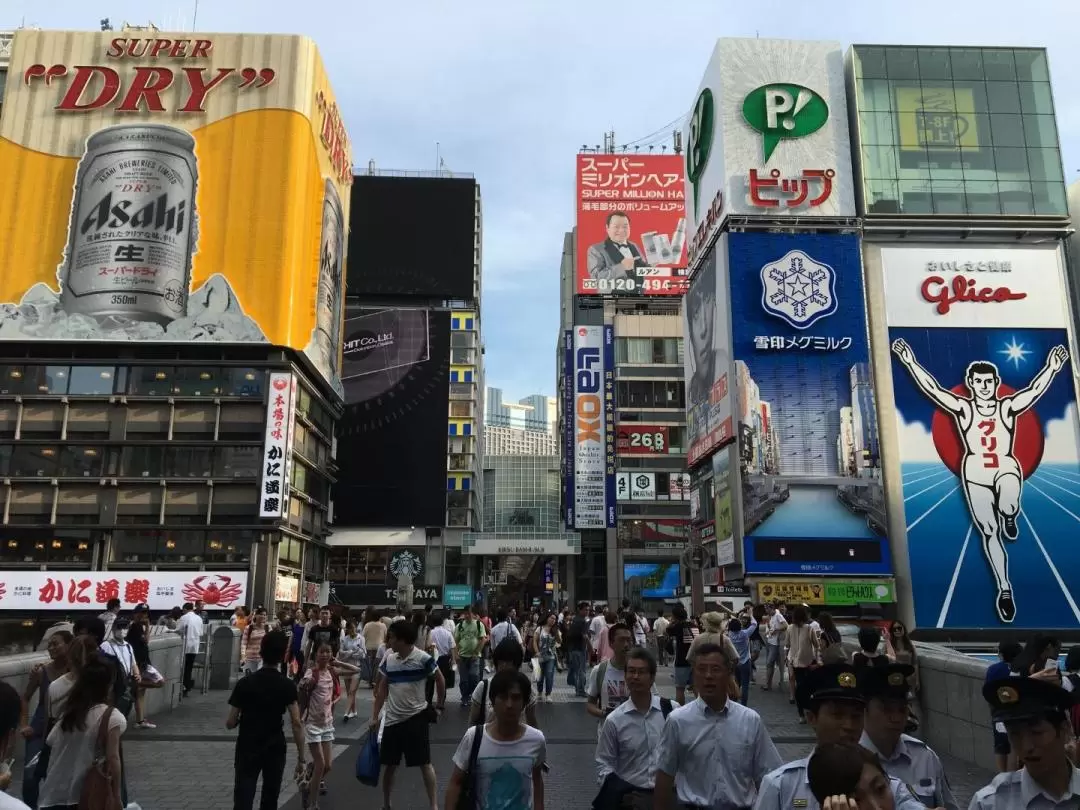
pixel 768 135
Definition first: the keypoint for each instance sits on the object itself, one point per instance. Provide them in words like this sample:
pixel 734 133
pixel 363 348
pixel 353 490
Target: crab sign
pixel 213 591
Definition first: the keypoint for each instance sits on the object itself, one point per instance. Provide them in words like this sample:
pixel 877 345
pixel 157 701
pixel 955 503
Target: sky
pixel 512 90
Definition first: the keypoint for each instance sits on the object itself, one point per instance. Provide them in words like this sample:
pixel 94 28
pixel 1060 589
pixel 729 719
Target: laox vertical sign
pixel 593 449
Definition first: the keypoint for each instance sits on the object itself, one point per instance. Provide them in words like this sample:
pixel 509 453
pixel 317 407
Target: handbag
pixel 467 797
pixel 98 792
pixel 367 761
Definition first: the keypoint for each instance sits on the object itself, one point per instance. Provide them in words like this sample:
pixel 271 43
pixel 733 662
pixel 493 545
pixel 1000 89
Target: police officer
pixel 1036 717
pixel 835 705
pixel 910 760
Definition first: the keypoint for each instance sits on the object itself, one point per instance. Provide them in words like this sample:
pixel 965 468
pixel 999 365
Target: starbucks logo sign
pixel 406 564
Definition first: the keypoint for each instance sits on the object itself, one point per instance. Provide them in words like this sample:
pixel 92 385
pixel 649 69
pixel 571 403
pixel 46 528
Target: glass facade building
pixel 955 131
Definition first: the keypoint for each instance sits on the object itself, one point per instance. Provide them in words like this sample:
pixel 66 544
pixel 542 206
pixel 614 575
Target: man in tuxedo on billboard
pixel 616 257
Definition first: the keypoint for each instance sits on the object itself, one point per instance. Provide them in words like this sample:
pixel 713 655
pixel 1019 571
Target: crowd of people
pixel 705 749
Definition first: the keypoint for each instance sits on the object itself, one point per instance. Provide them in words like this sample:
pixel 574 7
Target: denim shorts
pixel 682 676
pixel 318 734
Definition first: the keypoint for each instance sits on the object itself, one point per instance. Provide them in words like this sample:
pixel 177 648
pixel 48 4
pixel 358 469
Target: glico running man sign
pixel 590 440
pixel 173 188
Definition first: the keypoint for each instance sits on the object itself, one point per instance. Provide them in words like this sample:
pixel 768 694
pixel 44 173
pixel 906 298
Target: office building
pixel 526 427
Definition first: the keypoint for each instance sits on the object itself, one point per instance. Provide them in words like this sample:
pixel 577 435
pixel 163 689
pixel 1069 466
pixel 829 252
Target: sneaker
pixel 145 724
pixel 323 788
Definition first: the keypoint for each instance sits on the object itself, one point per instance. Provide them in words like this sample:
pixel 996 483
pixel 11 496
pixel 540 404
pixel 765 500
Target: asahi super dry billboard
pixel 173 188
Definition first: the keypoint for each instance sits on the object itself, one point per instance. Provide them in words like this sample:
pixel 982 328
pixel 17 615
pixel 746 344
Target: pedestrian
pixel 402 690
pixel 352 652
pixel 442 646
pixel 170 620
pixel 112 610
pixel 251 637
pixel 711 730
pixel 545 642
pixel 75 740
pixel 469 638
pixel 869 644
pixel 630 737
pixel 190 626
pixel 660 626
pixel 239 619
pixel 830 644
pixel 802 654
pixel 715 632
pixel 507 656
pixel 149 677
pixel 507 766
pixel 318 691
pixel 607 681
pixel 374 635
pixel 257 705
pixel 1035 712
pixel 596 628
pixel 325 631
pixel 775 640
pixel 33 728
pixel 504 628
pixel 908 759
pixel 839 773
pixel 10 722
pixel 577 645
pixel 296 645
pixel 682 637
pixel 741 640
pixel 1008 652
pixel 834 704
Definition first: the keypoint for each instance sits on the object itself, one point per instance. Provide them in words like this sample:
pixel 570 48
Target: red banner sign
pixel 643 440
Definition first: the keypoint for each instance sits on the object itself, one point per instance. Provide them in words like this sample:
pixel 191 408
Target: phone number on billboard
pixel 633 284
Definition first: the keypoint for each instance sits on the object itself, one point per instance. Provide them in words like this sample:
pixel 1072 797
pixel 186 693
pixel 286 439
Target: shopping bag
pixel 536 671
pixel 367 761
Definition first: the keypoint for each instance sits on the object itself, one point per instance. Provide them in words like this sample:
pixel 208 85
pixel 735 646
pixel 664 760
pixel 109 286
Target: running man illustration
pixel 990 474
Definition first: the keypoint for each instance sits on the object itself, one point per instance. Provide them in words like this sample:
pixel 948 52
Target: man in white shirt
pixel 660 627
pixel 191 627
pixel 504 628
pixel 775 630
pixel 596 628
pixel 630 737
pixel 442 642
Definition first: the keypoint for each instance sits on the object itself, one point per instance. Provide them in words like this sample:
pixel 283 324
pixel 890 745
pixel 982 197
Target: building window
pixel 81 462
pixel 35 461
pixel 452 428
pixel 243 382
pixel 469 324
pixel 95 381
pixel 468 376
pixel 150 381
pixel 455 323
pixel 142 462
pixel 197 382
pixel 56 546
pixel 188 462
pixel 644 394
pixel 237 462
pixel 648 351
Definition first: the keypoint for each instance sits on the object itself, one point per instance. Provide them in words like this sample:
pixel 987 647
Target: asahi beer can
pixel 678 239
pixel 331 253
pixel 652 248
pixel 133 231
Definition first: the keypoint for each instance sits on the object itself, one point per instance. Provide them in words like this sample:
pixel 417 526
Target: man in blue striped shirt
pixel 402 690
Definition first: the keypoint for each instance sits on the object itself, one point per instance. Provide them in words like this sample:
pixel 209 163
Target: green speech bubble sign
pixel 702 125
pixel 780 111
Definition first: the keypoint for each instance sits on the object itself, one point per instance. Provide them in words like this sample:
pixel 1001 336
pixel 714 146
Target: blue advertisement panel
pixel 609 424
pixel 807 425
pixel 568 426
pixel 987 423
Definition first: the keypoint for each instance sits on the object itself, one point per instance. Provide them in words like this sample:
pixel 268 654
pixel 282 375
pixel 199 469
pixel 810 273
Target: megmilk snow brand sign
pixel 631 225
pixel 707 337
pixel 91 590
pixel 987 433
pixel 277 446
pixel 173 188
pixel 812 500
pixel 593 387
pixel 768 136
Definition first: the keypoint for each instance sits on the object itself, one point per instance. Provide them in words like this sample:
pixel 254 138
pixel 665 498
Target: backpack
pixel 666 707
pixel 303 694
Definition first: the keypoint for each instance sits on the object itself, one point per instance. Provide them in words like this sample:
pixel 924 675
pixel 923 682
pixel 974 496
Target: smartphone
pixel 1051 664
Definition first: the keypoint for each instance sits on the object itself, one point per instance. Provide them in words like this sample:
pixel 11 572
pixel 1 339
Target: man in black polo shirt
pixel 257 704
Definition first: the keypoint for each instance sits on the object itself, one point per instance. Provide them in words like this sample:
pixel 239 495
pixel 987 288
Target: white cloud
pixel 915 441
pixel 1062 439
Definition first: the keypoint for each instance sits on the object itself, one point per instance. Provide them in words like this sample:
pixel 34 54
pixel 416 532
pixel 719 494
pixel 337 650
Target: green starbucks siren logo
pixel 784 111
pixel 701 140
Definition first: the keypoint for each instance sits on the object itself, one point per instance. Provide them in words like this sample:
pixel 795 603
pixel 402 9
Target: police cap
pixel 833 682
pixel 1013 698
pixel 888 682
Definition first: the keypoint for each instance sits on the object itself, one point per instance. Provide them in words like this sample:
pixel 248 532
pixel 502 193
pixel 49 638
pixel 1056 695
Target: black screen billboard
pixel 392 438
pixel 412 236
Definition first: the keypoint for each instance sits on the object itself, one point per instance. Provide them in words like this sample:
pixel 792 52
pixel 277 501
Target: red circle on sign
pixel 1028 440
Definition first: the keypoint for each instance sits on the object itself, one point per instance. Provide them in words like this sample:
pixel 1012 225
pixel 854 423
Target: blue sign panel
pixel 806 421
pixel 569 437
pixel 609 424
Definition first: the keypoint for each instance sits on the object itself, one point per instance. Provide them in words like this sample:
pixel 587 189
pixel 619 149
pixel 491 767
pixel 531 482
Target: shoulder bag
pixel 467 797
pixel 98 791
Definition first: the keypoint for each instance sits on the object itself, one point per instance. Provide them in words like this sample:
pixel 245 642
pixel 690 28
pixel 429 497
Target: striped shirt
pixel 406 679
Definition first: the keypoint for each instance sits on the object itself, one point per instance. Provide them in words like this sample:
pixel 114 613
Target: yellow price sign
pixel 810 592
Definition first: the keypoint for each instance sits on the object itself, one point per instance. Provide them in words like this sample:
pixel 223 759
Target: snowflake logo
pixel 799 290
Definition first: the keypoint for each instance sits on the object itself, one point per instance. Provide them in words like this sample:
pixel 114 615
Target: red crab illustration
pixel 219 591
pixel 3 589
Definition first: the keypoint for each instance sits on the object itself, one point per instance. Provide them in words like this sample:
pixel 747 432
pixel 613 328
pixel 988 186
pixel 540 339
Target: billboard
pixel 987 423
pixel 724 520
pixel 651 580
pixel 631 225
pixel 591 495
pixel 88 591
pixel 643 440
pixel 379 347
pixel 173 188
pixel 392 438
pixel 393 224
pixel 707 337
pixel 812 500
pixel 277 446
pixel 768 136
